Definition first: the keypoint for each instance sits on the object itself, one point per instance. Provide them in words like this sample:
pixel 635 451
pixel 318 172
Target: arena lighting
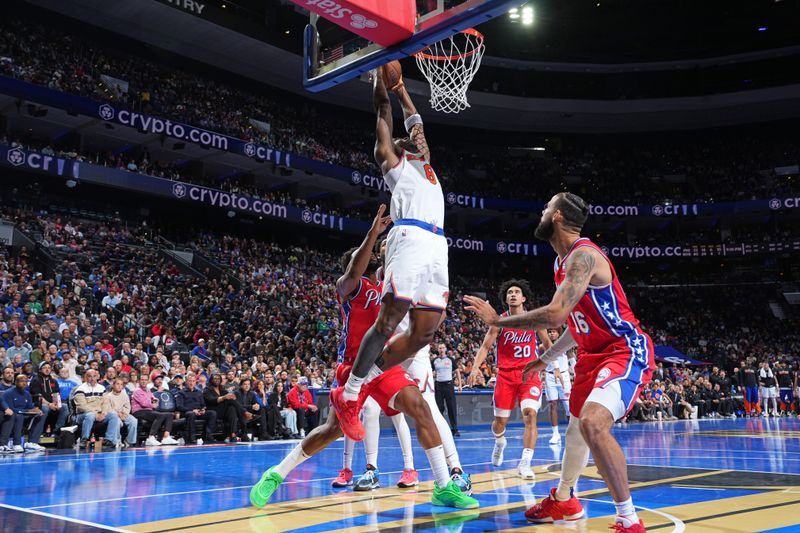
pixel 527 15
pixel 231 214
pixel 762 28
pixel 71 184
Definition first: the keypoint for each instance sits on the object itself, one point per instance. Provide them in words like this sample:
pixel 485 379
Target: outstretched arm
pixel 417 130
pixel 360 260
pixel 488 341
pixel 385 154
pixel 581 266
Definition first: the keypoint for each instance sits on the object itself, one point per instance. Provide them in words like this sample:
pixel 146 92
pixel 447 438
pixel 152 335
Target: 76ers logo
pixel 535 392
pixel 603 375
pixel 373 297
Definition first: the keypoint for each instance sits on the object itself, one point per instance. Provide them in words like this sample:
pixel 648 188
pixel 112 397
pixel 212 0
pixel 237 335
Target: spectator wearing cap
pixel 143 404
pixel 191 404
pixel 117 401
pixel 301 401
pixel 18 407
pixel 176 384
pixel 46 395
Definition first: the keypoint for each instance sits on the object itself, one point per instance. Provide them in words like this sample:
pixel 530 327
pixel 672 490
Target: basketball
pixel 392 75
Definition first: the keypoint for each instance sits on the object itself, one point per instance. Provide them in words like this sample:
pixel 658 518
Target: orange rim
pixel 469 31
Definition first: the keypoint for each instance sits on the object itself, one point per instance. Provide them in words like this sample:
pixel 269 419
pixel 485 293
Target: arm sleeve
pixel 564 343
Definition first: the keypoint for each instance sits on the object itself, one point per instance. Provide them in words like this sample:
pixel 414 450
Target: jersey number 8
pixel 430 175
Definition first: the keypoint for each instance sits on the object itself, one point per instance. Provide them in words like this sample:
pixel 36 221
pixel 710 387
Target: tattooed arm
pixel 581 266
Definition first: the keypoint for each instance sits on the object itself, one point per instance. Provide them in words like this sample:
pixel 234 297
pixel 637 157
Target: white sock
pixel 450 451
pixel 372 430
pixel 576 456
pixel 438 465
pixel 347 455
pixel 291 461
pixel 373 373
pixel 404 436
pixel 353 387
pixel 527 455
pixel 555 430
pixel 500 441
pixel 627 510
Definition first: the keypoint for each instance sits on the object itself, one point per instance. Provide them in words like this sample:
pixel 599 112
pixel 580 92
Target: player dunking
pixel 615 359
pixel 416 276
pixel 515 349
pixel 394 390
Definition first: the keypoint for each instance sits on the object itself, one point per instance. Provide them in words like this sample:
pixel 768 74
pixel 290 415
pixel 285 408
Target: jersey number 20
pixel 522 352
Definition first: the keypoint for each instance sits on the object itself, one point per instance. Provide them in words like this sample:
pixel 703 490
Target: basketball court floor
pixel 701 476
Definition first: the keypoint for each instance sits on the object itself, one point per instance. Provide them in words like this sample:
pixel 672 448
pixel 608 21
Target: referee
pixel 443 367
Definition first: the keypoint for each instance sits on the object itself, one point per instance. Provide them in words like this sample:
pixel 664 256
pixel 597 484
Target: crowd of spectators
pixel 684 168
pixel 123 342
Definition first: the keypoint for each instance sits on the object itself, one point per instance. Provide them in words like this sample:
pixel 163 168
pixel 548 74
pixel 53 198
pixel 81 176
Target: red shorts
pixel 613 380
pixel 510 391
pixel 343 373
pixel 383 388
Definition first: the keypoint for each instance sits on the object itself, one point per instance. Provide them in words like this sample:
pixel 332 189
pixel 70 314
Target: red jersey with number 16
pixel 515 348
pixel 359 313
pixel 603 324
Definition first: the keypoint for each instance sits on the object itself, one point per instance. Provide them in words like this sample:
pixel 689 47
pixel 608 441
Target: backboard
pixel 334 54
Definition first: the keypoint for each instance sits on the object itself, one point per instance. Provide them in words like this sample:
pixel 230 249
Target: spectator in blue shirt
pixel 200 350
pixel 65 385
pixel 18 408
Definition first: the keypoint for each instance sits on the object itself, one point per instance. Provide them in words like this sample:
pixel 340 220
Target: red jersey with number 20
pixel 515 348
pixel 602 322
pixel 359 313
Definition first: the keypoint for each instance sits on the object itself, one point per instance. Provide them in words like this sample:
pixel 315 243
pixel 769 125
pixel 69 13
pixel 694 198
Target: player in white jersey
pixel 416 278
pixel 558 384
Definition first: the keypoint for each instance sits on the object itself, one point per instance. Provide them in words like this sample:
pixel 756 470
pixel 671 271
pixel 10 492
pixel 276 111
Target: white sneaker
pixel 497 453
pixel 169 441
pixel 152 441
pixel 199 442
pixel 17 449
pixel 525 471
pixel 181 441
pixel 32 446
pixel 556 438
pixel 302 433
pixel 5 449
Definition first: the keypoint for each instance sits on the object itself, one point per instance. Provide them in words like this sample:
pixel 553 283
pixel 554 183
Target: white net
pixel 449 66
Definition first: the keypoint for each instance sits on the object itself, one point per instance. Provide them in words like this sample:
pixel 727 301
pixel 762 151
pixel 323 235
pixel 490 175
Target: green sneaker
pixel 262 491
pixel 451 496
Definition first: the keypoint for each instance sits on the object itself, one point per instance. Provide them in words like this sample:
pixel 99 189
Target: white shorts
pixel 769 392
pixel 553 387
pixel 416 267
pixel 419 368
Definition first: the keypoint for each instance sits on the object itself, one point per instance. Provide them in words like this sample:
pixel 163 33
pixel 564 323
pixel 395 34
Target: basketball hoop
pixel 449 66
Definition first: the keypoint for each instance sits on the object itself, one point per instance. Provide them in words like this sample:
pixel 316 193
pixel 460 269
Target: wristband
pixel 412 121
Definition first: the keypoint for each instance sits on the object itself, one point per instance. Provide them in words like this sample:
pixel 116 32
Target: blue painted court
pixel 707 475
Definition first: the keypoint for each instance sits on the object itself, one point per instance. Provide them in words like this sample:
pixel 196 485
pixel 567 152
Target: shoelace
pixel 618 527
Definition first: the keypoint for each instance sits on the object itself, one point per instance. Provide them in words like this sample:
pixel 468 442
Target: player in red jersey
pixel 615 359
pixel 394 391
pixel 515 349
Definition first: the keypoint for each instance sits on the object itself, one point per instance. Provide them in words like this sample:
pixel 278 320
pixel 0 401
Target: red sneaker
pixel 623 525
pixel 410 478
pixel 345 479
pixel 347 413
pixel 550 510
